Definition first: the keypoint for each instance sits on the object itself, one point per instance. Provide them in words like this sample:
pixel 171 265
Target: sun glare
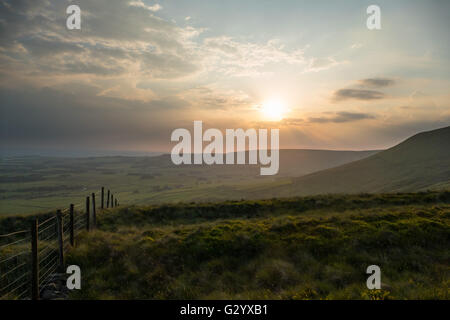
pixel 273 110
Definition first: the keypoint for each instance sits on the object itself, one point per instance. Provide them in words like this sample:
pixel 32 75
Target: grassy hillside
pixel 34 184
pixel 300 248
pixel 419 163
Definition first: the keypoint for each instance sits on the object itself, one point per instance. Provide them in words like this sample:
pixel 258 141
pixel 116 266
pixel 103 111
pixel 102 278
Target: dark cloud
pixel 364 94
pixel 357 94
pixel 342 116
pixel 169 66
pixel 326 117
pixel 51 118
pixel 114 36
pixel 376 82
pixel 293 121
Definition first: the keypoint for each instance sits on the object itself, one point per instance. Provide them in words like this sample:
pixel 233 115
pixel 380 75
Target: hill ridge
pixel 420 162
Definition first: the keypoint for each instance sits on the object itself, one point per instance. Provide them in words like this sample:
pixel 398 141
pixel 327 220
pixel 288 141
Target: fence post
pixel 34 261
pixel 72 242
pixel 112 201
pixel 87 214
pixel 60 240
pixel 94 215
pixel 103 197
pixel 107 200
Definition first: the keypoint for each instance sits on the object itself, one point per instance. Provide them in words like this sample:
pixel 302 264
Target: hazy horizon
pixel 18 152
pixel 117 153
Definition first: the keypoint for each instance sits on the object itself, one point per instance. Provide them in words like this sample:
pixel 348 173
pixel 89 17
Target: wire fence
pixel 48 253
pixel 14 265
pixel 30 258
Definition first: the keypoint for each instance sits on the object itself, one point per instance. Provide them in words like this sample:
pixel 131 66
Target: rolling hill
pixel 299 162
pixel 33 184
pixel 293 162
pixel 418 163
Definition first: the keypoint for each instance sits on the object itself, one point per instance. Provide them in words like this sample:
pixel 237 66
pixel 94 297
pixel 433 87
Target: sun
pixel 273 110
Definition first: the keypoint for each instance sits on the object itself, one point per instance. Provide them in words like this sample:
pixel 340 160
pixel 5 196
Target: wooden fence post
pixel 107 199
pixel 87 214
pixel 103 197
pixel 34 261
pixel 94 215
pixel 72 242
pixel 59 220
pixel 112 201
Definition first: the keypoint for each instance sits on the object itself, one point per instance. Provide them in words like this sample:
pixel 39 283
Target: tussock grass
pixel 302 248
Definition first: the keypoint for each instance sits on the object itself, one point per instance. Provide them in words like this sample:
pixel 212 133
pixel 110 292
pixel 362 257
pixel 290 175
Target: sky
pixel 139 69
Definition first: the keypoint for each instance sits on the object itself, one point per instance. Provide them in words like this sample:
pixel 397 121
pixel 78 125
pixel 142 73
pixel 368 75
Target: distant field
pixel 301 248
pixel 34 184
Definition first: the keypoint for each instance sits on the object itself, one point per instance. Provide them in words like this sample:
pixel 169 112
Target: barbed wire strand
pixel 49 272
pixel 47 247
pixel 46 228
pixel 50 254
pixel 17 279
pixel 55 260
pixel 12 270
pixel 19 297
pixel 13 233
pixel 45 221
pixel 13 243
pixel 15 289
pixel 14 256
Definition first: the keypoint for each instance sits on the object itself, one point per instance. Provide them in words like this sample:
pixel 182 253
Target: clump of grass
pixel 277 249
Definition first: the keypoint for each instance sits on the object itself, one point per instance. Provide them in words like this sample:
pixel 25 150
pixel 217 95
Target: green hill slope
pixel 299 162
pixel 420 162
pixel 293 162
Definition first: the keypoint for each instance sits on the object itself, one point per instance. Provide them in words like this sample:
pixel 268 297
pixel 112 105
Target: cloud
pixel 377 82
pixel 356 46
pixel 342 116
pixel 320 64
pixel 131 74
pixel 169 66
pixel 116 38
pixel 122 39
pixel 325 117
pixel 293 121
pixel 235 58
pixel 357 94
pixel 364 94
pixel 140 4
pixel 48 117
pixel 210 97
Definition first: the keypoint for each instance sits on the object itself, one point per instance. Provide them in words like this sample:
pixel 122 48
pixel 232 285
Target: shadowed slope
pixel 418 163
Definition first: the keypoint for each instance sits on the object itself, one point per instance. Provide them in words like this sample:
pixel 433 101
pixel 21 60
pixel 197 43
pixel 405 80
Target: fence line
pixel 29 258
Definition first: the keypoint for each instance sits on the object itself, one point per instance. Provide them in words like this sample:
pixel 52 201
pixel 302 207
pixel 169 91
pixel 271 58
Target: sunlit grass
pixel 304 248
